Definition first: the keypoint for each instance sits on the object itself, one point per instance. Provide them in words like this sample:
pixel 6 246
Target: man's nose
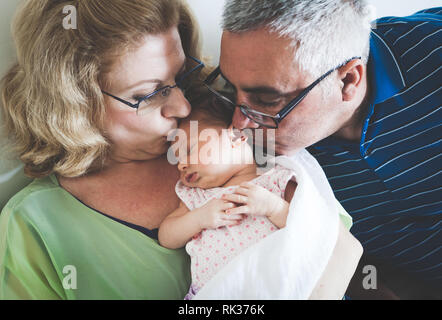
pixel 240 121
pixel 177 105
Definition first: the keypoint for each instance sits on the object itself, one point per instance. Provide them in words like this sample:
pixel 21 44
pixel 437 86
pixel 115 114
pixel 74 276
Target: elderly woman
pixel 89 111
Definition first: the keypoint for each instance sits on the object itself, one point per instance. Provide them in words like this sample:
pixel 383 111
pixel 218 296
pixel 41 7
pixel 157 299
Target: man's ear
pixel 351 76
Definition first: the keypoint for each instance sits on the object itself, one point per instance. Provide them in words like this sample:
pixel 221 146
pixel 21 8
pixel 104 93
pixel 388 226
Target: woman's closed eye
pixel 142 96
pixel 138 97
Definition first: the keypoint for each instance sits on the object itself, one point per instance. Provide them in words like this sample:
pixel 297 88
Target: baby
pixel 225 205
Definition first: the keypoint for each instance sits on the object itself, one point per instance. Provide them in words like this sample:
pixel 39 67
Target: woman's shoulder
pixel 40 193
pixel 39 206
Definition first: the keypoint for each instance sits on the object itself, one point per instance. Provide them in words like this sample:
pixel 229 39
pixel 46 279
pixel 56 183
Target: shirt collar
pixel 385 76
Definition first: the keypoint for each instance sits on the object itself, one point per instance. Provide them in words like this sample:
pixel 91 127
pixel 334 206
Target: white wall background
pixel 208 13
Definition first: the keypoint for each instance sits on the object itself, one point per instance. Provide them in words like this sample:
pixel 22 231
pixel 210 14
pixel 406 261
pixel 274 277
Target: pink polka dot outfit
pixel 212 249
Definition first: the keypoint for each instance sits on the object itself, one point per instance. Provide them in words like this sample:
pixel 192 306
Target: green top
pixel 54 247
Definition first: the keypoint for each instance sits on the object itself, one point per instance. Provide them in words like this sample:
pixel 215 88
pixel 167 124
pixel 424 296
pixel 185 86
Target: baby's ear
pixel 236 136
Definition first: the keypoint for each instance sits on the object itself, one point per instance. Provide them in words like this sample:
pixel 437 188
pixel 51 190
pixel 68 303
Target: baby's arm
pixel 178 228
pixel 182 224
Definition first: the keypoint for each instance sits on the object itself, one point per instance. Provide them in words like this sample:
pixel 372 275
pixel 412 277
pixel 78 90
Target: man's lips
pixel 191 177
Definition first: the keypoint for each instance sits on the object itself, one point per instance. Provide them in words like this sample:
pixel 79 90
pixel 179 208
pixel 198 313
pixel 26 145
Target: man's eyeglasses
pixel 159 97
pixel 225 97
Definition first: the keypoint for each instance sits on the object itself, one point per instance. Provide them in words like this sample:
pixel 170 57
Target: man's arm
pixel 341 267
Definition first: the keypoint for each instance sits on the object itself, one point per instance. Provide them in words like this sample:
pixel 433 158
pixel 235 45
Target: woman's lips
pixel 191 177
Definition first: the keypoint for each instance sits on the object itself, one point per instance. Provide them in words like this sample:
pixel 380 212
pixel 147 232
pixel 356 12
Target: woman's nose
pixel 177 105
pixel 240 121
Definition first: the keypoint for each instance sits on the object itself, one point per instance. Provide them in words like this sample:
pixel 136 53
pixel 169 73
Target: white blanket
pixel 288 263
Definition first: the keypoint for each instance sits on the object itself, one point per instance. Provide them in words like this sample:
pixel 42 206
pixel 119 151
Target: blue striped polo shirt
pixel 390 182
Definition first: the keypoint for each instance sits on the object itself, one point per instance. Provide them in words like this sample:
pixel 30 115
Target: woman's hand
pixel 213 214
pixel 256 200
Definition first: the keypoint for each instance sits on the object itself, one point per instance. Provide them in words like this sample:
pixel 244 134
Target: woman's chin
pixel 162 147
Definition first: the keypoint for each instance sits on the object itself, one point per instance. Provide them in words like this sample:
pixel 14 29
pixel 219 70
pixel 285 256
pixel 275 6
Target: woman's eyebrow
pixel 156 81
pixel 255 90
pixel 139 83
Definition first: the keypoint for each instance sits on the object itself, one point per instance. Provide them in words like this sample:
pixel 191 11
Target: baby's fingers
pixel 242 191
pixel 237 198
pixel 228 205
pixel 247 184
pixel 238 210
pixel 232 217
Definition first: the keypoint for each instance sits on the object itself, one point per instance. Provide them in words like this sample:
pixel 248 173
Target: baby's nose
pixel 182 166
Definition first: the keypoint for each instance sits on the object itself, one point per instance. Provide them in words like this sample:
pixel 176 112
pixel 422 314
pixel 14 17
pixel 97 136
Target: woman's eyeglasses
pixel 159 97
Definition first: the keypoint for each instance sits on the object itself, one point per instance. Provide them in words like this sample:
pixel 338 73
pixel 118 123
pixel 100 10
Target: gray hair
pixel 325 33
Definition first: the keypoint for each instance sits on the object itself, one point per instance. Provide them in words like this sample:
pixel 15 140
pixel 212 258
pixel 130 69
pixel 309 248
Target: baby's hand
pixel 213 215
pixel 256 200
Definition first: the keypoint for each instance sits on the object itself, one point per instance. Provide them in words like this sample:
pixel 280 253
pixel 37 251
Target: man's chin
pixel 287 152
pixel 276 149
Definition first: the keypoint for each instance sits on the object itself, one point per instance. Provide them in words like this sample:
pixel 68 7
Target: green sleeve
pixel 346 219
pixel 26 269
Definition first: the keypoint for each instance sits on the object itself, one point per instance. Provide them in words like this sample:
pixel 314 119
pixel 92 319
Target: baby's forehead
pixel 195 126
pixel 203 120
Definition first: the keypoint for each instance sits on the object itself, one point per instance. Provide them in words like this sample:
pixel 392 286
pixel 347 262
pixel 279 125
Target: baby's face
pixel 210 156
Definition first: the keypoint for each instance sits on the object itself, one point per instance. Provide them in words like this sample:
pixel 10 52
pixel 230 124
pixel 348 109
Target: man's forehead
pixel 258 58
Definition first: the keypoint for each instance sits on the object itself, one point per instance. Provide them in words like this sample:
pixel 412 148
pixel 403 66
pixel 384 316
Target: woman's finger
pixel 237 198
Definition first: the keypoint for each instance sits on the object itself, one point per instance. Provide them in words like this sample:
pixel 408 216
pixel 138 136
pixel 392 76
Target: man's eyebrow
pixel 256 90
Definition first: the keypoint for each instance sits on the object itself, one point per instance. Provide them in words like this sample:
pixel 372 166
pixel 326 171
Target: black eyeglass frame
pixel 150 95
pixel 283 112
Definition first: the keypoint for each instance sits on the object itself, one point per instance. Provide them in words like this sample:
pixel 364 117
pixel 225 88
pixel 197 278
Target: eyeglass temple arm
pixel 299 98
pixel 200 65
pixel 135 106
pixel 212 76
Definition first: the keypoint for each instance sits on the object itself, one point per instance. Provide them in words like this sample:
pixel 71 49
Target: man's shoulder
pixel 414 42
pixel 399 31
pixel 431 15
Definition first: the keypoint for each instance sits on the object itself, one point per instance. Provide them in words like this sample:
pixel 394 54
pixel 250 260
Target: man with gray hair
pixel 364 101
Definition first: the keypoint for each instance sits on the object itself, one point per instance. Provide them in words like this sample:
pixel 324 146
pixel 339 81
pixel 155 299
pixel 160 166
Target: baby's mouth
pixel 191 177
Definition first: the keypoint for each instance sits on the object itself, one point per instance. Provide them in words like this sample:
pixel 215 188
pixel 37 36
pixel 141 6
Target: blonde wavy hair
pixel 53 107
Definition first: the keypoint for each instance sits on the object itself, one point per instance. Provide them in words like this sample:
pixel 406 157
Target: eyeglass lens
pixel 225 96
pixel 160 98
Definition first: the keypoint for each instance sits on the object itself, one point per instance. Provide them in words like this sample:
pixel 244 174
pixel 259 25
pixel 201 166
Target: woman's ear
pixel 351 76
